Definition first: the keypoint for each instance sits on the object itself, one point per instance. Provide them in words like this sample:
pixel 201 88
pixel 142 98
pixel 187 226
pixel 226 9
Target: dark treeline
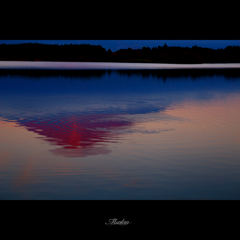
pixel 164 74
pixel 96 53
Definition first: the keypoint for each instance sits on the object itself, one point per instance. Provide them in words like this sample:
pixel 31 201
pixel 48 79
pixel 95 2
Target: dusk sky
pixel 115 45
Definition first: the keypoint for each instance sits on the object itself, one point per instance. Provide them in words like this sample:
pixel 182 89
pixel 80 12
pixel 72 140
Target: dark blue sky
pixel 134 44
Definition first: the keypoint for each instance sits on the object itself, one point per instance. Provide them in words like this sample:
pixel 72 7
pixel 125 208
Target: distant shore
pixel 96 53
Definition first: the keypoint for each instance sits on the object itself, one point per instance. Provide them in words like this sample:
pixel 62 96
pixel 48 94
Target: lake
pixel 109 132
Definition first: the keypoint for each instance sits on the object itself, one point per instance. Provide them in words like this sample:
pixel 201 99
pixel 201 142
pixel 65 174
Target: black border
pixel 164 218
pixel 146 21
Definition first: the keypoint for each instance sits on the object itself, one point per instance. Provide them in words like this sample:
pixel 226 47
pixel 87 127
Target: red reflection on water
pixel 78 135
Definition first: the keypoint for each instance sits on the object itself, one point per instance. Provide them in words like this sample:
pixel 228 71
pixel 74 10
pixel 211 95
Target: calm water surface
pixel 120 135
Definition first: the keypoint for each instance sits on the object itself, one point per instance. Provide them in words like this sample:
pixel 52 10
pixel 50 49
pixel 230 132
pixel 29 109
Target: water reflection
pixel 86 74
pixel 83 117
pixel 78 136
pixel 119 135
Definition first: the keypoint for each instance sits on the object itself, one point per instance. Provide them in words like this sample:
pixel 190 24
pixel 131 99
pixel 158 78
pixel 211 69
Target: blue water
pixel 119 135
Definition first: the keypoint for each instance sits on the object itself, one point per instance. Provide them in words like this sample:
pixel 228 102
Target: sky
pixel 115 45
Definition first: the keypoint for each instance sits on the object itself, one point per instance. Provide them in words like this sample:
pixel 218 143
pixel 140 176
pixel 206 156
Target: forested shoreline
pixel 96 53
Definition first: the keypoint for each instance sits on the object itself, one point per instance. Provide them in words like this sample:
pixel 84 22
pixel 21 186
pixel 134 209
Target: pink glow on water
pixel 78 135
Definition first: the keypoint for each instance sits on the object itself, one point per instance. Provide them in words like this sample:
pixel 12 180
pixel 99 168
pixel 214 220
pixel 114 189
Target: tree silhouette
pixel 90 53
